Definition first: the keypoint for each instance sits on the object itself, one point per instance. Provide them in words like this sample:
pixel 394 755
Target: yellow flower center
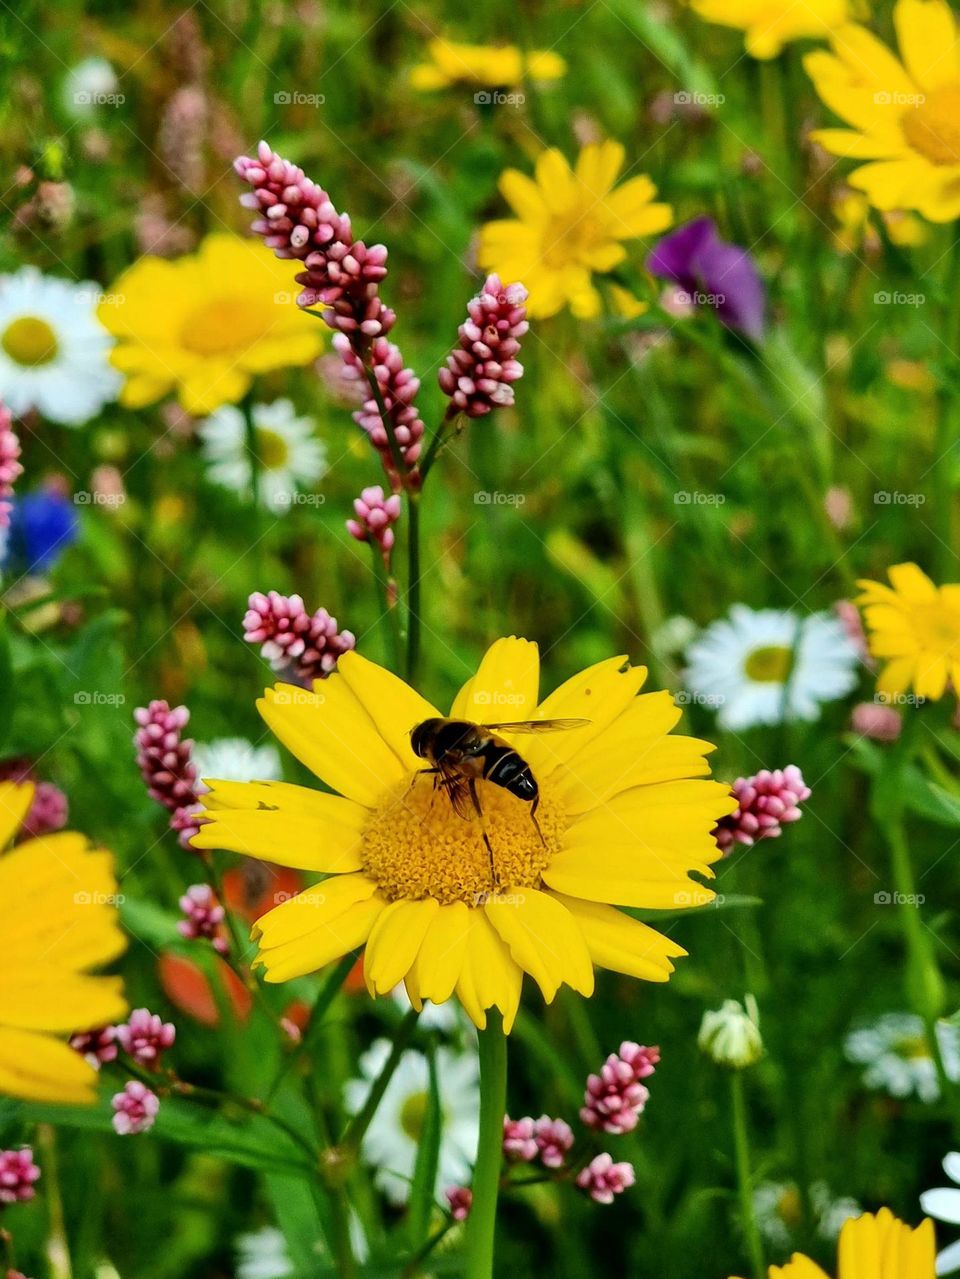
pixel 224 325
pixel 913 1049
pixel 272 449
pixel 413 1114
pixel 569 236
pixel 30 341
pixel 769 665
pixel 415 845
pixel 938 628
pixel 933 127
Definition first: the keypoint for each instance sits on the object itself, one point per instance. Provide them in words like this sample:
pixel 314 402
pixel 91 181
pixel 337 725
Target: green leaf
pixel 8 688
pixel 428 1158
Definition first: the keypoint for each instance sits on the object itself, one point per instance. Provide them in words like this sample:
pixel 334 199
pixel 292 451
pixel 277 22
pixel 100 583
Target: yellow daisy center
pixel 938 628
pixel 415 845
pixel 913 1049
pixel 769 665
pixel 413 1114
pixel 570 236
pixel 272 449
pixel 30 341
pixel 223 325
pixel 933 127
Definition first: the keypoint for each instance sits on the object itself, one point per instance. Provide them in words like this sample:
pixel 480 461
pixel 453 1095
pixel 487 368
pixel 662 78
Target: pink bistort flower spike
pixel 602 1178
pixel 460 1199
pixel 554 1137
pixel 298 220
pixel 204 916
pixel 18 1175
pixel 10 468
pixel 767 802
pixel 163 757
pixel 96 1047
pixel 615 1098
pixel 48 812
pixel 376 515
pixel 135 1109
pixel 300 645
pixel 519 1139
pixel 398 390
pixel 480 372
pixel 877 722
pixel 145 1037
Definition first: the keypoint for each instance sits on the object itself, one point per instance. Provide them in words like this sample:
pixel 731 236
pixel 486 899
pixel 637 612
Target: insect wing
pixel 538 725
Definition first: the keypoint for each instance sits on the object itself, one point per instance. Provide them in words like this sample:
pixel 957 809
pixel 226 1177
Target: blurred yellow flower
pixel 569 224
pixel 852 211
pixel 483 64
pixel 626 305
pixel 58 920
pixel 904 112
pixel 205 324
pixel 626 813
pixel 770 24
pixel 872 1247
pixel 915 629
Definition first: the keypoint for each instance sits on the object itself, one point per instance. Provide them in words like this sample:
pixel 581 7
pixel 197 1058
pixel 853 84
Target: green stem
pixel 246 407
pixel 741 1145
pixel 388 612
pixel 482 1222
pixel 58 1251
pixel 388 426
pixel 413 585
pixel 358 1125
pixel 321 1006
pixel 413 1266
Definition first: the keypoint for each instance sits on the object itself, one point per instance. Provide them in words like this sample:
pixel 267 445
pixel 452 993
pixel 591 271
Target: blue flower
pixel 42 526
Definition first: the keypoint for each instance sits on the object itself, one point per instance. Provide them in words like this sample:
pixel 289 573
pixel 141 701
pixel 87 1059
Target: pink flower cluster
pixel 398 390
pixel 766 802
pixel 615 1098
pixel 18 1175
pixel 480 372
pixel 298 220
pixel 145 1037
pixel 10 468
pixel 49 810
pixel 460 1199
pixel 302 646
pixel 165 763
pixel 134 1109
pixel 204 917
pixel 376 515
pixel 602 1179
pixel 96 1047
pixel 878 722
pixel 544 1138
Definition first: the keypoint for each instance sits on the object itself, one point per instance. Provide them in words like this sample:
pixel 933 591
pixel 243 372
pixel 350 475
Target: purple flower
pixel 714 274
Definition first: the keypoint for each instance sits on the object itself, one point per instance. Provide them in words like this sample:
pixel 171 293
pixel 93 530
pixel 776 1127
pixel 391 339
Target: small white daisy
pixel 234 759
pixel 393 1138
pixel 290 458
pixel 779 1212
pixel 894 1051
pixel 90 84
pixel 943 1204
pixel 53 349
pixel 766 666
pixel 448 1018
pixel 262 1254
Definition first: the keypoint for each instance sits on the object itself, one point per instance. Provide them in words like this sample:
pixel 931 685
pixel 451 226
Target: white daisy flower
pixel 393 1138
pixel 234 759
pixel 90 84
pixel 766 666
pixel 262 1254
pixel 449 1017
pixel 943 1204
pixel 53 349
pixel 779 1211
pixel 289 455
pixel 894 1051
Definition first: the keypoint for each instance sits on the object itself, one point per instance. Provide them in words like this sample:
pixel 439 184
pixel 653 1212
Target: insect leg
pixel 472 783
pixel 533 817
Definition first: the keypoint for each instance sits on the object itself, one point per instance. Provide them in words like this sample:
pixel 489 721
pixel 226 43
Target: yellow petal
pixel 598 694
pixel 910 581
pixel 304 949
pixel 622 944
pixel 37 1068
pixel 524 197
pixel 394 941
pixel 393 706
pixel 855 146
pixel 489 978
pixel 330 732
pixel 597 167
pixel 437 967
pixel 15 801
pixel 543 938
pixel 555 180
pixel 48 998
pixel 312 910
pixel 505 686
pixel 927 36
pixel 305 842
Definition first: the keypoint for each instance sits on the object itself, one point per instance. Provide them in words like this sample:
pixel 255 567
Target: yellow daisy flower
pixel 852 211
pixel 58 921
pixel 770 24
pixel 915 629
pixel 484 64
pixel 872 1247
pixel 205 324
pixel 625 816
pixel 569 224
pixel 904 112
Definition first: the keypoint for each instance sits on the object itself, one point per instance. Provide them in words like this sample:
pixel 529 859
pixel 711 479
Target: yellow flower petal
pixel 312 936
pixel 927 36
pixel 329 731
pixel 555 180
pixel 524 197
pixel 488 978
pixel 394 941
pixel 43 998
pixel 621 944
pixel 505 687
pixel 439 961
pixel 393 706
pixel 37 1068
pixel 543 938
pixel 597 167
pixel 304 841
pixel 15 801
